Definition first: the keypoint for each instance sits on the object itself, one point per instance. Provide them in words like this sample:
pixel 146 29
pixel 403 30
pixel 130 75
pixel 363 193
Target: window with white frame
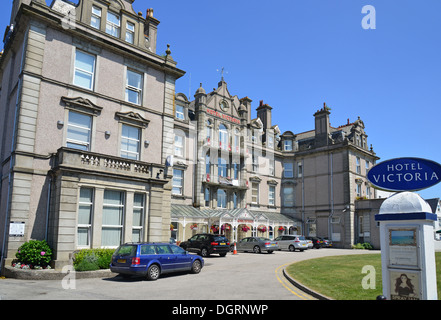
pixel 272 164
pixel 130 32
pixel 255 193
pixel 358 166
pixel 288 196
pixel 79 127
pixel 84 69
pixel 287 145
pixel 138 217
pixel 178 181
pixel 179 145
pixel 288 170
pixel 272 196
pixel 222 198
pixel 113 24
pixel 130 142
pixel 179 112
pixel 95 20
pixel 113 217
pixel 134 85
pixel 223 137
pixel 222 167
pixel 85 210
pixel 255 162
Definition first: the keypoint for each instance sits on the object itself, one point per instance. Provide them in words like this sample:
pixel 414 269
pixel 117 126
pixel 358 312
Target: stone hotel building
pixel 98 149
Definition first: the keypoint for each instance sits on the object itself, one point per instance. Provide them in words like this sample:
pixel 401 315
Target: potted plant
pixel 194 226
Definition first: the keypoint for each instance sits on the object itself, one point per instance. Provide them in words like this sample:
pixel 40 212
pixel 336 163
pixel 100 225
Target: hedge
pixel 92 259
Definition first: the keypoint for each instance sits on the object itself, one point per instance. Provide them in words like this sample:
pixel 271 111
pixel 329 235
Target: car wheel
pixel 256 249
pixel 292 248
pixel 204 252
pixel 153 272
pixel 196 266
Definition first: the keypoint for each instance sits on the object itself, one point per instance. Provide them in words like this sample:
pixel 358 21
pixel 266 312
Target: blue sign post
pixel 405 174
pixel 407 228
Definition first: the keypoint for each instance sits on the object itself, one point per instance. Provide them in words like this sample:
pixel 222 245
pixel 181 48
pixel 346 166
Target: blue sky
pixel 296 54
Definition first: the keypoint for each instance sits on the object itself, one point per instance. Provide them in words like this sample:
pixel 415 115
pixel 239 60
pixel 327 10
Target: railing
pixel 89 161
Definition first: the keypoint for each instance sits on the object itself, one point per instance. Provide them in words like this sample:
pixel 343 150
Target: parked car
pixel 327 243
pixel 206 244
pixel 316 242
pixel 310 244
pixel 257 245
pixel 292 242
pixel 153 259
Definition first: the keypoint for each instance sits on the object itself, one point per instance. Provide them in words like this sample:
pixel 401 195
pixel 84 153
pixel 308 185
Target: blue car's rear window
pixel 126 250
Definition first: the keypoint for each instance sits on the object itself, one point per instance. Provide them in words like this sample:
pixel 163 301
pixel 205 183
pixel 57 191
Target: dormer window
pixel 113 25
pixel 287 145
pixel 179 113
pixel 130 32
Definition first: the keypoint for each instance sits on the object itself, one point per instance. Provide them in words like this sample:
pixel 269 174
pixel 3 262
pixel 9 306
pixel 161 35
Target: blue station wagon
pixel 153 259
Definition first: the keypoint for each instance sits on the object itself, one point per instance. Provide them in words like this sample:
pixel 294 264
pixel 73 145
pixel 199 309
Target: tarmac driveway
pixel 245 276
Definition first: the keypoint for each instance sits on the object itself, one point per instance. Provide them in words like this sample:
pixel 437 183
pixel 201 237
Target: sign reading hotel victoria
pixel 407 228
pixel 405 174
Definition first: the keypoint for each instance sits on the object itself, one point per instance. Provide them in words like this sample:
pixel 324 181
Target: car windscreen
pixel 126 250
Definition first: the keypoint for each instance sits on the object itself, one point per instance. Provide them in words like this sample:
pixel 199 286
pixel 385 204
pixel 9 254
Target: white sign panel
pixel 16 229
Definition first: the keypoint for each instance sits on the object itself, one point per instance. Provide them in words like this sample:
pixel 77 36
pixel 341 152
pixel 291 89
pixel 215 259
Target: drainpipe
pixel 48 201
pixel 303 198
pixel 332 197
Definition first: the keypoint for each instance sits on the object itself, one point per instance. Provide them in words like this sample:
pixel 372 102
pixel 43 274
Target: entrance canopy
pixel 255 220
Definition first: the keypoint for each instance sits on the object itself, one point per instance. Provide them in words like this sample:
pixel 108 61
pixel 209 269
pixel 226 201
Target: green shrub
pixel 34 253
pixel 92 259
pixel 365 246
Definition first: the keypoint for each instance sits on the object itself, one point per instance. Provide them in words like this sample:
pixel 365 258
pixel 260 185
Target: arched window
pixel 223 137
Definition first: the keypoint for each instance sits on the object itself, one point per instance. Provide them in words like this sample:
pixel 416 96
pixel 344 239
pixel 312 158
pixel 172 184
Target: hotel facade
pixel 98 149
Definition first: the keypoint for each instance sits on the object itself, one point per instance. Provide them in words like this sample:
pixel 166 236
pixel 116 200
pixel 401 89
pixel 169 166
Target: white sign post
pixel 407 248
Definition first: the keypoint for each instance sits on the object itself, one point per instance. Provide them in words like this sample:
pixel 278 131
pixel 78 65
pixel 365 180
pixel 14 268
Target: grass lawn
pixel 340 277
